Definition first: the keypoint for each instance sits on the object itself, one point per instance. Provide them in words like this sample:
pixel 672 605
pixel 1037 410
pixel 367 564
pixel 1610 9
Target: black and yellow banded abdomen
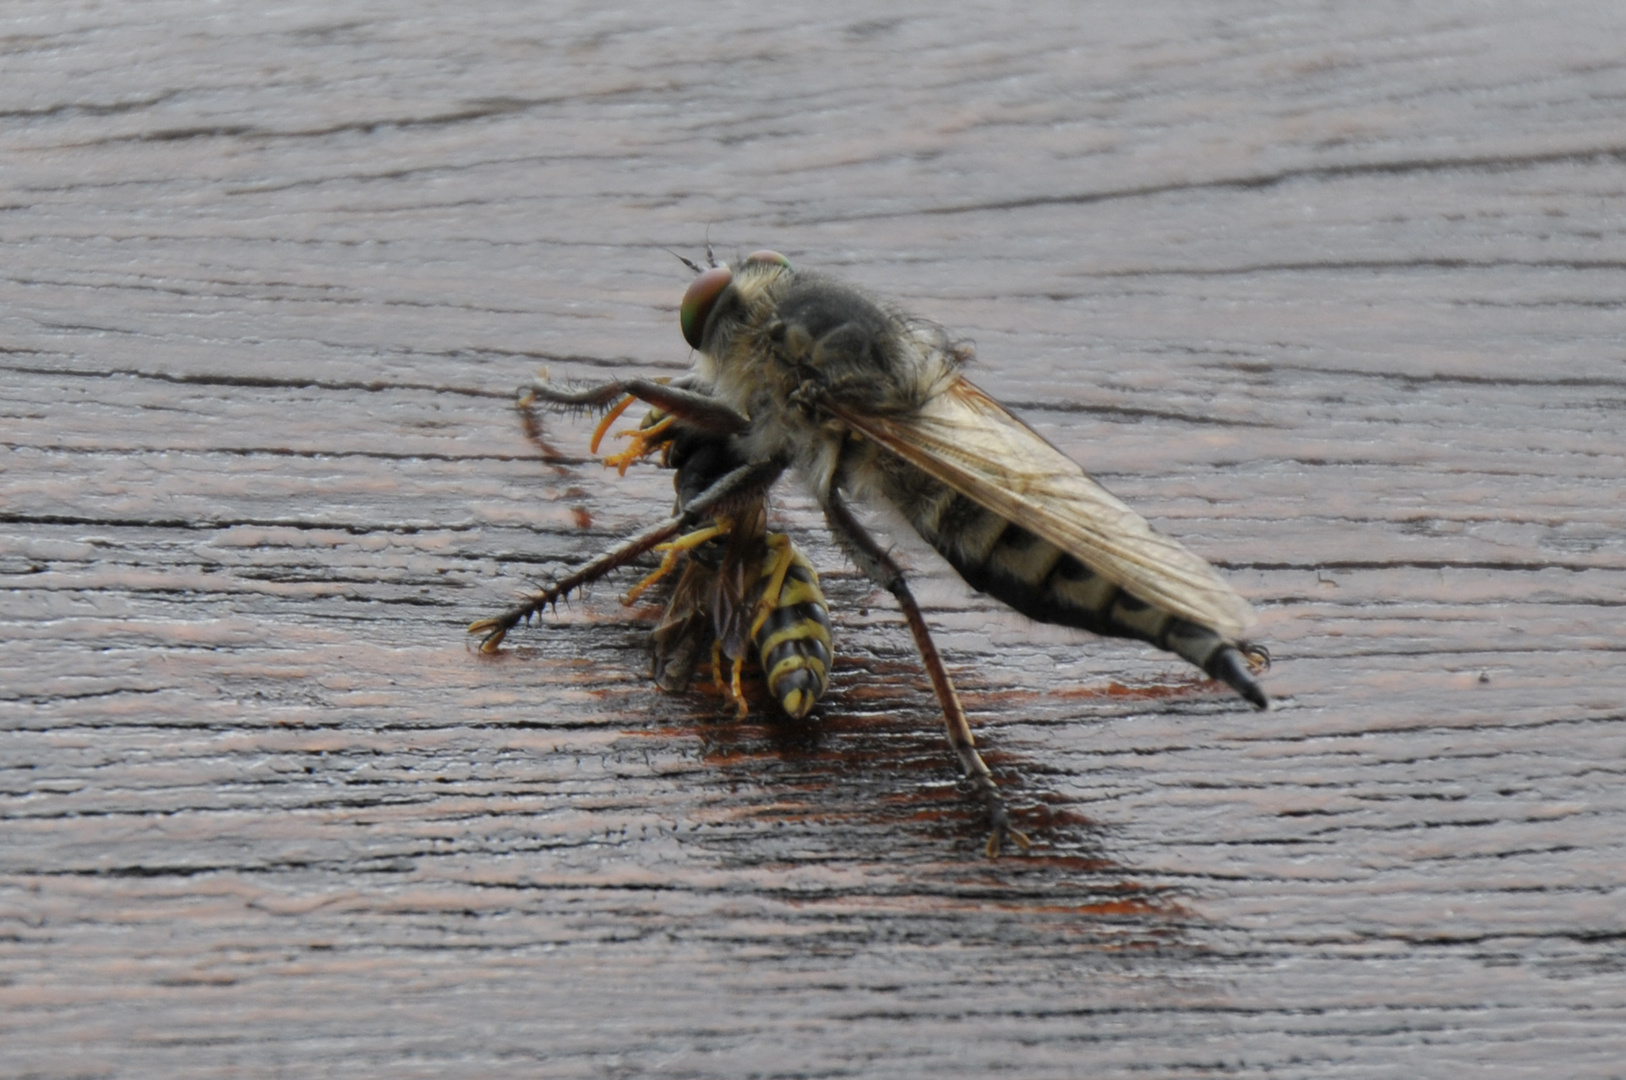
pixel 793 639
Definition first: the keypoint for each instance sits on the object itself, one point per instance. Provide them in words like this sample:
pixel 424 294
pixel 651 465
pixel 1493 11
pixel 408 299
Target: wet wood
pixel 1334 295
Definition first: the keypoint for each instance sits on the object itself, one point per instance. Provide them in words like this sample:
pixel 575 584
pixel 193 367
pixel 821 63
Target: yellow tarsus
pixel 669 557
pixel 645 441
pixel 734 691
pixel 609 418
pixel 996 842
pixel 730 687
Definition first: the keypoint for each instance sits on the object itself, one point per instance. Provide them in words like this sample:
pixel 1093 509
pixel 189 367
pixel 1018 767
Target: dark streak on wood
pixel 1333 294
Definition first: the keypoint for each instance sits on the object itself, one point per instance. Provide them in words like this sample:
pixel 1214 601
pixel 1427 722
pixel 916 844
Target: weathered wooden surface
pixel 1332 293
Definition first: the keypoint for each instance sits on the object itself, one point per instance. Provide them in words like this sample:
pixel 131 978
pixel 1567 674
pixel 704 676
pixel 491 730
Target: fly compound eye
pixel 767 258
pixel 698 301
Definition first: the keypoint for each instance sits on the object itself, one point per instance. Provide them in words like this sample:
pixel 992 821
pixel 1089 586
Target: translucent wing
pixel 969 441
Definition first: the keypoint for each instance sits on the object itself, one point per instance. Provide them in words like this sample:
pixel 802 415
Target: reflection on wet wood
pixel 1334 298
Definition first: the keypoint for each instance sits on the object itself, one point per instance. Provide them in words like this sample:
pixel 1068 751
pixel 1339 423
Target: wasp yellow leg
pixel 669 558
pixel 645 441
pixel 604 425
pixel 730 686
pixel 741 709
pixel 783 556
pixel 880 568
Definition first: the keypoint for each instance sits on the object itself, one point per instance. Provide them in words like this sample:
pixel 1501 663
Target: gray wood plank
pixel 1332 294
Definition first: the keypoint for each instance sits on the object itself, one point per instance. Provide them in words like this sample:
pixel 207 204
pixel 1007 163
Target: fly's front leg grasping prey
pixel 699 410
pixel 744 485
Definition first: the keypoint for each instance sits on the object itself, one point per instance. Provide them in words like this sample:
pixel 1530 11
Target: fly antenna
pixel 690 263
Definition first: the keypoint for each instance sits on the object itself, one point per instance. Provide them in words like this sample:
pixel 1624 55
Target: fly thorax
pixel 832 341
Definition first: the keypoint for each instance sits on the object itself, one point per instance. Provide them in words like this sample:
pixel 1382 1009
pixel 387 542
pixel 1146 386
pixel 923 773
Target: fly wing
pixel 967 440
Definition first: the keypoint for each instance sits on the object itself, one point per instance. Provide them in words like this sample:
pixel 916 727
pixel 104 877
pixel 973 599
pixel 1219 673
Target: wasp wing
pixel 967 440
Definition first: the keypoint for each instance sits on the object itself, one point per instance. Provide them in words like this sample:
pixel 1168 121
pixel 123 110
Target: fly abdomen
pixel 793 641
pixel 1029 573
pixel 1045 583
pixel 1039 579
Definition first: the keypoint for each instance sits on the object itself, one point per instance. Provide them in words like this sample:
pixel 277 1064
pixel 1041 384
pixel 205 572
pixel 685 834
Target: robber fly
pixel 799 370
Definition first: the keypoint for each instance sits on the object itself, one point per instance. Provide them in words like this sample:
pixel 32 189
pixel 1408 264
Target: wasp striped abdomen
pixel 793 638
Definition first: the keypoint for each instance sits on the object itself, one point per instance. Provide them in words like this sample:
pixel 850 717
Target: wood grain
pixel 1334 294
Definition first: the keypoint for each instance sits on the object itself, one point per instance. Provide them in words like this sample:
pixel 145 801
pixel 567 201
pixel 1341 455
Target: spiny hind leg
pixel 740 486
pixel 880 568
pixel 495 629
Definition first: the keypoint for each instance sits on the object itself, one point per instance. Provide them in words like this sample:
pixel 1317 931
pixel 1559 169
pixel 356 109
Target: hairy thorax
pixel 790 345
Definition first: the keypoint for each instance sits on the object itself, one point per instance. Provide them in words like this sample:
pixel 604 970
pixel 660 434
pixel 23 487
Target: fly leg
pixel 495 629
pixel 741 486
pixel 697 409
pixel 674 404
pixel 880 568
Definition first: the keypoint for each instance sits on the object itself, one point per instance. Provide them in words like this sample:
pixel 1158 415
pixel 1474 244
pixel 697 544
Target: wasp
pixel 741 589
pixel 798 370
pixel 790 631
